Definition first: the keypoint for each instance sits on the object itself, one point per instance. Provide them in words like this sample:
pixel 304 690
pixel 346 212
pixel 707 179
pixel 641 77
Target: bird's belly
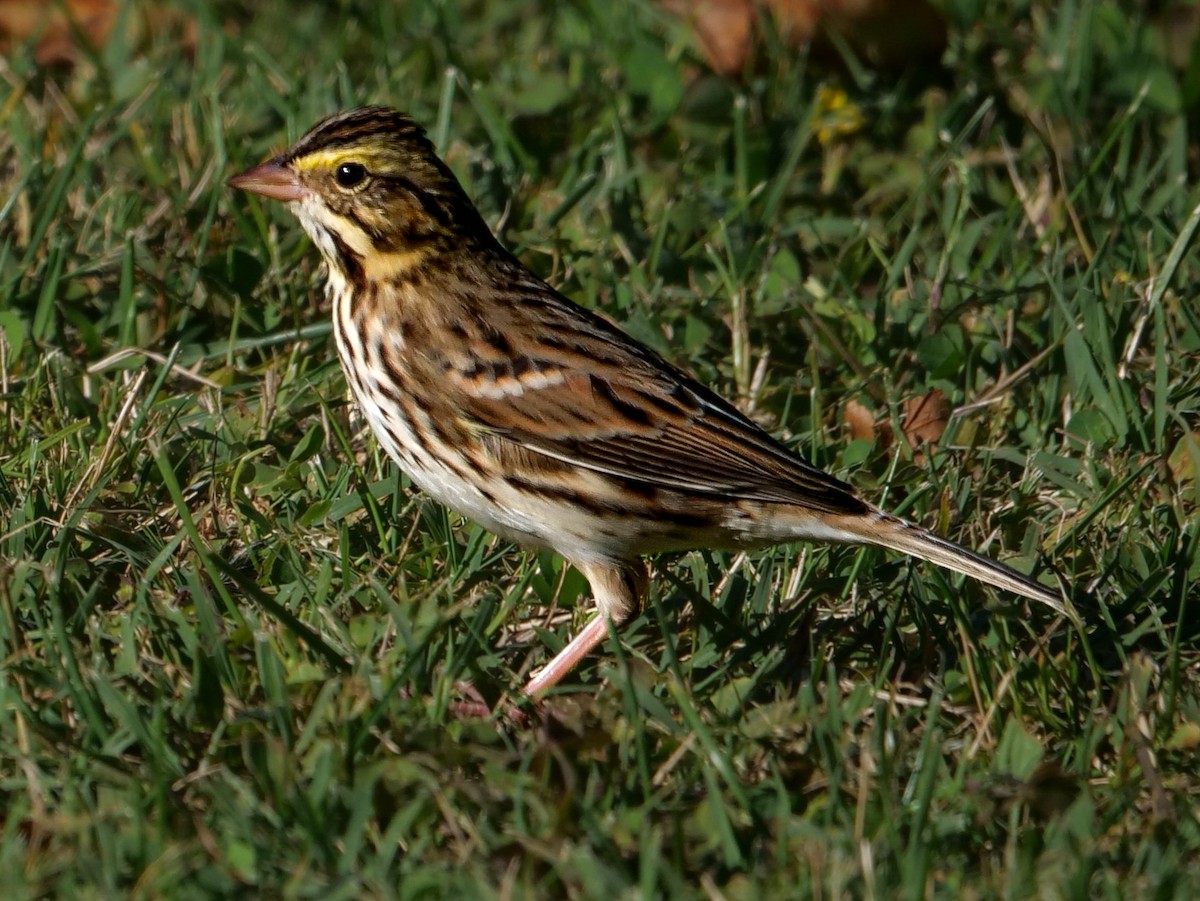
pixel 583 516
pixel 445 474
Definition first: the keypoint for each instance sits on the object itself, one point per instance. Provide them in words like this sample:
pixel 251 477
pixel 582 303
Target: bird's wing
pixel 575 388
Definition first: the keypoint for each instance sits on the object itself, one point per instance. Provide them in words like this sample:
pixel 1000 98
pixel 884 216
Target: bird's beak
pixel 270 179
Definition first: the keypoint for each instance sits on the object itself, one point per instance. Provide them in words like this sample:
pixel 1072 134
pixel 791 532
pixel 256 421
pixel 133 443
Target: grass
pixel 230 631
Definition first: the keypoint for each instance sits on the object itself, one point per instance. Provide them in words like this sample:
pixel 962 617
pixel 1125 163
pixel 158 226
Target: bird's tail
pixel 895 534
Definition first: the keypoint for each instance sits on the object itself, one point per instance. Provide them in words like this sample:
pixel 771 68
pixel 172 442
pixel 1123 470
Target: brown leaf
pixel 55 25
pixel 886 33
pixel 724 29
pixel 1178 27
pixel 860 420
pixel 1184 457
pixel 925 418
pixel 59 27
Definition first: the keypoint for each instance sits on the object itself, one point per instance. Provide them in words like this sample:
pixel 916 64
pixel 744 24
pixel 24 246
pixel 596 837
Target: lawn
pixel 231 632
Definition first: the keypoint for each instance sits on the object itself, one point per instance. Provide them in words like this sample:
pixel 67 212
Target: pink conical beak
pixel 270 179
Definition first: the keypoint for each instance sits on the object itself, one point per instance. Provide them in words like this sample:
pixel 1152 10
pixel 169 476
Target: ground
pixel 231 632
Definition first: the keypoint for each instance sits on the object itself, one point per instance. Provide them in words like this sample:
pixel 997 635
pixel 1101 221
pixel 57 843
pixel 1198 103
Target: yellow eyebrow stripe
pixel 329 159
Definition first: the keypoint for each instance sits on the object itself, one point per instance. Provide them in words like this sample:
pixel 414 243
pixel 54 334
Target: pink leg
pixel 618 588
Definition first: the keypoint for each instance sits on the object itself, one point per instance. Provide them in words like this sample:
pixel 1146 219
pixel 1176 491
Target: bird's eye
pixel 350 175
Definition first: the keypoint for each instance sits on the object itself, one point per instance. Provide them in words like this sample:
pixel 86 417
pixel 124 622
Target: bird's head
pixel 367 185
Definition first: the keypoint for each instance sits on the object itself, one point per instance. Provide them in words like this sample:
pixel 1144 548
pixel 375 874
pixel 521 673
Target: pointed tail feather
pixel 895 534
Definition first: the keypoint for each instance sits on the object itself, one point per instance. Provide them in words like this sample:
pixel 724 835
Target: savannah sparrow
pixel 530 415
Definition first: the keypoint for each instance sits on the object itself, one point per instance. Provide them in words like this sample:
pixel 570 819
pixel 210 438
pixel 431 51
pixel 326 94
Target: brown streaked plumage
pixel 530 415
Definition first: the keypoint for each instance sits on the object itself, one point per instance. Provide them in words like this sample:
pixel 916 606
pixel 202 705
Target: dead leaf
pixel 1186 737
pixel 860 420
pixel 56 26
pixel 885 33
pixel 724 30
pixel 59 27
pixel 925 418
pixel 1184 457
pixel 1178 27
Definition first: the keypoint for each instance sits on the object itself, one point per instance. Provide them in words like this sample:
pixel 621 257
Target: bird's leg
pixel 618 588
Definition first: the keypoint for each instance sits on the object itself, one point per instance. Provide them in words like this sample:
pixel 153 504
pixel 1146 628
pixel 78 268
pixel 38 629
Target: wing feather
pixel 589 396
